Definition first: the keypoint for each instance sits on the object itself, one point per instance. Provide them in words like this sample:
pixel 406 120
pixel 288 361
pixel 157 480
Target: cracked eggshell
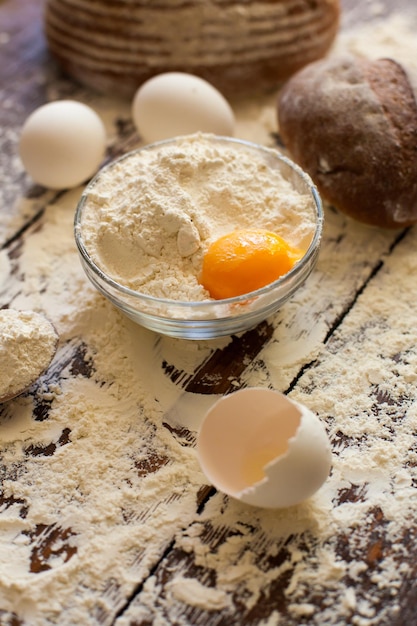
pixel 264 449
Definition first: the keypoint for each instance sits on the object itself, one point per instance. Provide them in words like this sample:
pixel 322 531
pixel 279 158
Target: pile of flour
pixel 150 217
pixel 27 344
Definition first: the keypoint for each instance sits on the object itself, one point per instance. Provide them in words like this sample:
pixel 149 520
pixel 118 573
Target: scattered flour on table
pixel 149 219
pixel 92 483
pixel 116 485
pixel 393 37
pixel 193 593
pixel 373 434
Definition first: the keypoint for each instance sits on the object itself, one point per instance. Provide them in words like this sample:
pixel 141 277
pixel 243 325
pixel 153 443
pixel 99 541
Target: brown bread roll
pixel 352 125
pixel 237 45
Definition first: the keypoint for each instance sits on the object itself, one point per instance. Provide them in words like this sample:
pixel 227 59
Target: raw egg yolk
pixel 246 260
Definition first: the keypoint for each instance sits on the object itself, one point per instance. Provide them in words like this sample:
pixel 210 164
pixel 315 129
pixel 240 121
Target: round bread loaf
pixel 237 45
pixel 352 125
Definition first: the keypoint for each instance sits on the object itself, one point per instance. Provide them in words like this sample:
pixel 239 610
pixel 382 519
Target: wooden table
pixel 105 516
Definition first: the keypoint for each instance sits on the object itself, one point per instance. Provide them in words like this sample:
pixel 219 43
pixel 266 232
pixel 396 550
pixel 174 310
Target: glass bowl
pixel 208 318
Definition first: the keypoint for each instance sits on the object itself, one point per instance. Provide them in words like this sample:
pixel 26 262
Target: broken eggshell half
pixel 264 449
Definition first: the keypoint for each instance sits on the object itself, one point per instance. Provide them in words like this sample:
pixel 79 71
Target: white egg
pixel 264 449
pixel 62 144
pixel 176 103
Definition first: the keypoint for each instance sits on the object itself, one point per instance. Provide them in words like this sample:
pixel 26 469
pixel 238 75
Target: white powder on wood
pixel 391 37
pixel 121 517
pixel 192 592
pixel 149 218
pixel 27 345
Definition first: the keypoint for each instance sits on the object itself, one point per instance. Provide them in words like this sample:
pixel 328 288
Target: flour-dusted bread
pixel 237 45
pixel 352 125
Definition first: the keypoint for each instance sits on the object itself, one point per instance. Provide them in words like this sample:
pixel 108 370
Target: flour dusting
pixel 96 481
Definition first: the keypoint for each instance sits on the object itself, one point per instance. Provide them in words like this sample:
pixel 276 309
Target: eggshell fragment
pixel 176 103
pixel 62 144
pixel 264 449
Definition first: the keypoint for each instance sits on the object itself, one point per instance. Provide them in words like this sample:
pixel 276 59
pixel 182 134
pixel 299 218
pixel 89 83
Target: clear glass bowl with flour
pixel 144 223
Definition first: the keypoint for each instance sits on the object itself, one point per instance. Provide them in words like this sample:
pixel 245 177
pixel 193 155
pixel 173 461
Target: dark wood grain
pixel 317 326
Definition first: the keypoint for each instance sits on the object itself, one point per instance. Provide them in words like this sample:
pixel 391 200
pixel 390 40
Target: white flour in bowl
pixel 149 218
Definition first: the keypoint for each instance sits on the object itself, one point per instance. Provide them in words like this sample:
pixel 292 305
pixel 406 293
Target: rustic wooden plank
pixel 372 581
pixel 23 57
pixel 80 556
pixel 29 77
pixel 86 355
pixel 349 555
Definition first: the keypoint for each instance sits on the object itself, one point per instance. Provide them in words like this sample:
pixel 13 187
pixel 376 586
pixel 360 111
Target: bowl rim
pixel 208 303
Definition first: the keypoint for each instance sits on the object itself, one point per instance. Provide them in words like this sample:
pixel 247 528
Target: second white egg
pixel 62 144
pixel 176 103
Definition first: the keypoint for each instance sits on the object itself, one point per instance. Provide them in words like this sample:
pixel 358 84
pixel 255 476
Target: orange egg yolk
pixel 246 260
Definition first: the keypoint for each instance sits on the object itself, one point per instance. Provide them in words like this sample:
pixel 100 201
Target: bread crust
pixel 352 125
pixel 240 46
